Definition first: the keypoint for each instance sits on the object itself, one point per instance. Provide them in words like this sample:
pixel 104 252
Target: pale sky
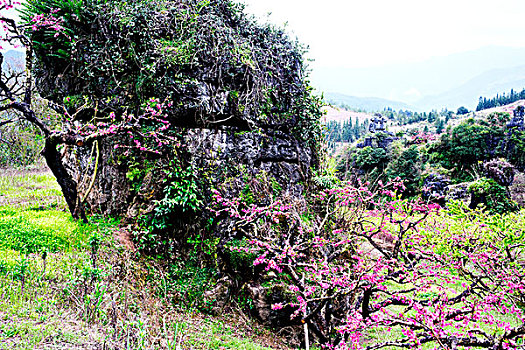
pixel 366 33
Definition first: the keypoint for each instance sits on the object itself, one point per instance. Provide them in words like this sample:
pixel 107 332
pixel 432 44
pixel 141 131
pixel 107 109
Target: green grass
pixel 56 294
pixel 37 231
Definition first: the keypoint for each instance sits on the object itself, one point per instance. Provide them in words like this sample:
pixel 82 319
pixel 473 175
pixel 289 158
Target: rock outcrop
pixel 238 102
pixel 517 189
pixel 237 115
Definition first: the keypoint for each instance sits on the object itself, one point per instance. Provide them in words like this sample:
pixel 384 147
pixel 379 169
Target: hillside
pixel 502 109
pixel 430 84
pixel 368 104
pixel 333 113
pixel 197 194
pixel 69 286
pixel 487 84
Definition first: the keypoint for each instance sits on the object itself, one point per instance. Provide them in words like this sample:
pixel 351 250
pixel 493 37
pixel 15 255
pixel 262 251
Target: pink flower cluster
pixel 385 264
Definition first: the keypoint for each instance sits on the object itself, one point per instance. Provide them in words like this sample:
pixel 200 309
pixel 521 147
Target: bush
pixel 369 158
pixel 462 111
pixel 492 194
pixel 500 171
pixel 466 145
pixel 407 167
pixel 20 144
pixel 188 281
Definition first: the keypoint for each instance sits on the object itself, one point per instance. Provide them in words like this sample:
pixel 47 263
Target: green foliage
pixel 440 125
pixel 180 194
pixel 369 158
pixel 498 119
pixel 20 141
pixel 104 305
pixel 239 257
pixel 408 167
pixel 189 281
pixel 20 269
pixel 467 144
pixel 347 131
pixel 35 191
pixel 247 195
pixel 259 188
pixel 137 171
pixel 458 153
pixel 326 176
pixel 20 145
pixel 202 244
pixel 35 231
pixel 493 195
pixel 461 148
pixel 183 198
pixel 515 151
pixel 462 110
pixel 45 41
pixel 305 118
pixel 500 100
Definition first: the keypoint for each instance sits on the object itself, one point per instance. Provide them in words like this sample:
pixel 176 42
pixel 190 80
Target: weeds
pixel 65 285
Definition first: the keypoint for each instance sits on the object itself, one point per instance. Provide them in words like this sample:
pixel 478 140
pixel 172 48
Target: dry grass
pixel 34 188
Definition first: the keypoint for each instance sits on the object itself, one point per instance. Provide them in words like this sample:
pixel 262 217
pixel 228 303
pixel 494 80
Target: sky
pixel 371 48
pixel 371 33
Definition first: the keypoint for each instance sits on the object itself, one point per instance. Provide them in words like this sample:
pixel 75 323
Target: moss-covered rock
pixel 238 106
pixel 216 65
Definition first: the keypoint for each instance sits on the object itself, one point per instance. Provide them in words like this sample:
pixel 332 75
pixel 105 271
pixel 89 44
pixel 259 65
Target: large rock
pixel 517 189
pixel 435 188
pixel 235 91
pixel 240 111
pixel 218 153
pixel 459 192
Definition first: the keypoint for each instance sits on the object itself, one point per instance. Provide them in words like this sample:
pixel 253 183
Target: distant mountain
pixel 368 104
pixel 412 82
pixel 488 84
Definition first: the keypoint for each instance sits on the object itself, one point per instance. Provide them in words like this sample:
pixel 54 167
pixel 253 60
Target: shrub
pixel 462 110
pixel 492 194
pixel 500 171
pixel 369 158
pixel 407 166
pixel 20 146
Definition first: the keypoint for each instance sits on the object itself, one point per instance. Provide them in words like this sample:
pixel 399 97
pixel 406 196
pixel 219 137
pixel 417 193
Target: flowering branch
pixel 374 264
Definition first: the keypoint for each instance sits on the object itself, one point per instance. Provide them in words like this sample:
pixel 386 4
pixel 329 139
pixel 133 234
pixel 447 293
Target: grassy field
pixel 67 285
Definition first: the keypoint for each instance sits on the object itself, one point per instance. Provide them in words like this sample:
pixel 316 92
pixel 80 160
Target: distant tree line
pixel 406 117
pixel 500 100
pixel 409 117
pixel 347 131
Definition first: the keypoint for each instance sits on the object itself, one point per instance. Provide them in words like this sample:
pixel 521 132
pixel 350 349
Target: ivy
pixel 493 195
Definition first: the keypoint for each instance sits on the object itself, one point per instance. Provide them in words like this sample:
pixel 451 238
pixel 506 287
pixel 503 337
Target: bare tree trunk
pixel 64 179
